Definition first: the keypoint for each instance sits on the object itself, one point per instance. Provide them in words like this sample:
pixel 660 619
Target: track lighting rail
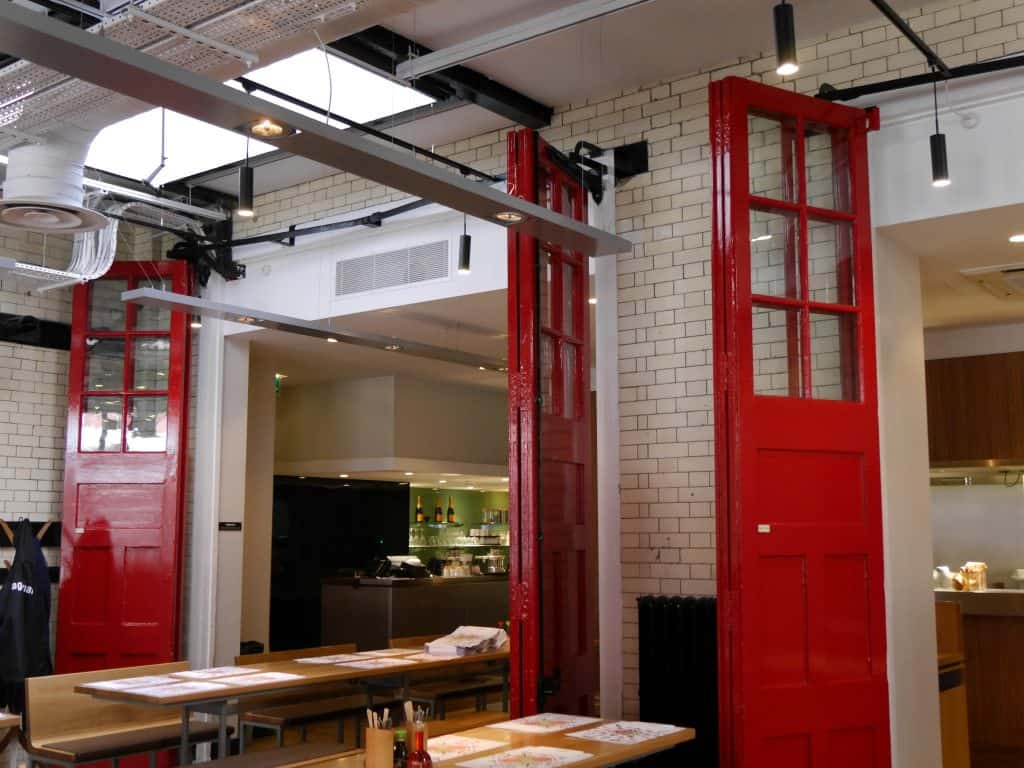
pixel 934 61
pixel 830 93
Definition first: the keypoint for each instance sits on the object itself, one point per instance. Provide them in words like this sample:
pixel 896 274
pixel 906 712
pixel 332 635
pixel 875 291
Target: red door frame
pixel 740 416
pixel 553 580
pixel 104 640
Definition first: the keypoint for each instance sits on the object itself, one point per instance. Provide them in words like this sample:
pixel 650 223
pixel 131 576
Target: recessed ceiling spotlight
pixel 481 368
pixel 408 474
pixel 302 477
pixel 245 319
pixel 509 217
pixel 442 482
pixel 393 347
pixel 342 476
pixel 1017 238
pixel 331 340
pixel 471 487
pixel 760 238
pixel 267 129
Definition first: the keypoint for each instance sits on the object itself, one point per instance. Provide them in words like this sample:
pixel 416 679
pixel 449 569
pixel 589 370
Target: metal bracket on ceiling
pixel 630 160
pixel 207 258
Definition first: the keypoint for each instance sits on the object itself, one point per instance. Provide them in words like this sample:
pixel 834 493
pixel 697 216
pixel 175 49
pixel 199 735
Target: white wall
pixel 979 522
pixel 967 341
pixel 903 438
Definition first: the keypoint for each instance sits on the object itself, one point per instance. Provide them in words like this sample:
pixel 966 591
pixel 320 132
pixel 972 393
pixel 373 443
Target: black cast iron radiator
pixel 679 672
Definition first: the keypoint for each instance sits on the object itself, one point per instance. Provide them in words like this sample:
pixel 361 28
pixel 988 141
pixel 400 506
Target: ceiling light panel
pixel 131 73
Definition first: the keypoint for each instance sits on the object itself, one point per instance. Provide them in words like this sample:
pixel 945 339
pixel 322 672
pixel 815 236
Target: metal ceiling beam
pixel 908 32
pixel 383 51
pixel 515 34
pixel 131 73
pixel 179 302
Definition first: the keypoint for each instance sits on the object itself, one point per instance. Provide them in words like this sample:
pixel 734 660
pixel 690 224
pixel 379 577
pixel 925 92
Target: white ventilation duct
pixel 43 188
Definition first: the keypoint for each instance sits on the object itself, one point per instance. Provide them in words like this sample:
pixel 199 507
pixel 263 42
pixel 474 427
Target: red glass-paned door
pixel 802 607
pixel 554 556
pixel 120 588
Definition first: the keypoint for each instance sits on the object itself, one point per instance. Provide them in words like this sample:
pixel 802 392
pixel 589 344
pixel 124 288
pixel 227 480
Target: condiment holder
pixel 380 748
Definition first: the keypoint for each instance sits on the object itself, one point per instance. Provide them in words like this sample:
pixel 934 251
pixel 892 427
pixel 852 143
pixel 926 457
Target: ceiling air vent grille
pixel 1005 281
pixel 391 269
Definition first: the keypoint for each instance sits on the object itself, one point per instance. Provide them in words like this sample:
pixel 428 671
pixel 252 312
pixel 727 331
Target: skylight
pixel 131 147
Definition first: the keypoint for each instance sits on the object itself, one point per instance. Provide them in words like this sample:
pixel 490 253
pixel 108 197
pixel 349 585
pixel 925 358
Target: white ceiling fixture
pixel 124 70
pixel 250 58
pixel 193 305
pixel 512 35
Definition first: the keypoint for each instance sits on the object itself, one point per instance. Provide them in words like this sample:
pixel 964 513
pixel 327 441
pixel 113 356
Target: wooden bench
pixel 287 757
pixel 297 709
pixel 436 691
pixel 67 728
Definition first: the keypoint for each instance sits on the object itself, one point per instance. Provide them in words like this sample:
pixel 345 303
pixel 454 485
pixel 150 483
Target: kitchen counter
pixel 991 602
pixel 370 612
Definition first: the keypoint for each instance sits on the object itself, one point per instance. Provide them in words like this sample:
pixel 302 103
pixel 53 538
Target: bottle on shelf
pixel 438 512
pixel 419 758
pixel 451 511
pixel 401 752
pixel 420 516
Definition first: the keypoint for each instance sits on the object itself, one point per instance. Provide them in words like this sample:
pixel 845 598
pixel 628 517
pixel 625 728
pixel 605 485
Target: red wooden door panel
pixel 554 562
pixel 802 607
pixel 120 588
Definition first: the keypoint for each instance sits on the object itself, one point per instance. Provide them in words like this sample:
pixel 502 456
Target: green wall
pixel 469 505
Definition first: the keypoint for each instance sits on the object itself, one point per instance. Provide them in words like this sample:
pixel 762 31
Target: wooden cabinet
pixel 956 746
pixel 976 409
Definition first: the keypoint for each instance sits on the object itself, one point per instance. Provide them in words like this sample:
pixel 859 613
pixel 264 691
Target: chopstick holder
pixel 380 748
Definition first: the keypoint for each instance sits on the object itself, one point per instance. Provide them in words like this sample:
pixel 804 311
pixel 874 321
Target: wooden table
pixel 310 676
pixel 9 725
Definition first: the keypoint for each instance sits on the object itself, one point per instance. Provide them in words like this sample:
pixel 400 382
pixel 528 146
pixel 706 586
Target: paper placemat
pixel 453 746
pixel 213 673
pixel 625 732
pixel 377 663
pixel 428 657
pixel 388 652
pixel 332 659
pixel 260 678
pixel 179 689
pixel 546 722
pixel 128 683
pixel 529 757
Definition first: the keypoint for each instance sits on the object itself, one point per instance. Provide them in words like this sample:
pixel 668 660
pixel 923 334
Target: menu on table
pixel 128 683
pixel 546 722
pixel 213 673
pixel 624 732
pixel 453 746
pixel 180 689
pixel 377 663
pixel 260 678
pixel 528 757
pixel 334 658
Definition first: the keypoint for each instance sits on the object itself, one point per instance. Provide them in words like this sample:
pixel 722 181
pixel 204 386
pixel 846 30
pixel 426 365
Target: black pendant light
pixel 940 160
pixel 245 207
pixel 465 245
pixel 785 40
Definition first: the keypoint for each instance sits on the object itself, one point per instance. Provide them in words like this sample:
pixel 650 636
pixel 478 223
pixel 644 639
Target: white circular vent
pixel 43 216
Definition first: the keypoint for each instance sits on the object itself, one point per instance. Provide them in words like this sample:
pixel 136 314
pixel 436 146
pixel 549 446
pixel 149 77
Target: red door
pixel 554 555
pixel 802 607
pixel 120 587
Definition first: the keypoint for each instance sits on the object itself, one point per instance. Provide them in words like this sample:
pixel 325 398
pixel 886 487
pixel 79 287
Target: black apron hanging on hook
pixel 24 619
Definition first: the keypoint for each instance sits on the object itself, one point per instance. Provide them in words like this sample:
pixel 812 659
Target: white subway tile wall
pixel 665 364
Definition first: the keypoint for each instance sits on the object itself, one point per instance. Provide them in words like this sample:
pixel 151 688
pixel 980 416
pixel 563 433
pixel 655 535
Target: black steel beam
pixel 901 24
pixel 383 50
pixel 967 70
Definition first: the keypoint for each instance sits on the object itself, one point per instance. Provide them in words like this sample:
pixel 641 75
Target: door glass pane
pixel 834 374
pixel 104 364
pixel 150 362
pixel 776 343
pixel 101 424
pixel 153 318
pixel 774 254
pixel 547 356
pixel 106 311
pixel 830 261
pixel 147 424
pixel 570 293
pixel 771 150
pixel 570 381
pixel 546 277
pixel 828 167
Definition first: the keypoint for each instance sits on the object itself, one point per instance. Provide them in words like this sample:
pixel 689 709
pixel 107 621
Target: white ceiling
pixel 950 243
pixel 473 323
